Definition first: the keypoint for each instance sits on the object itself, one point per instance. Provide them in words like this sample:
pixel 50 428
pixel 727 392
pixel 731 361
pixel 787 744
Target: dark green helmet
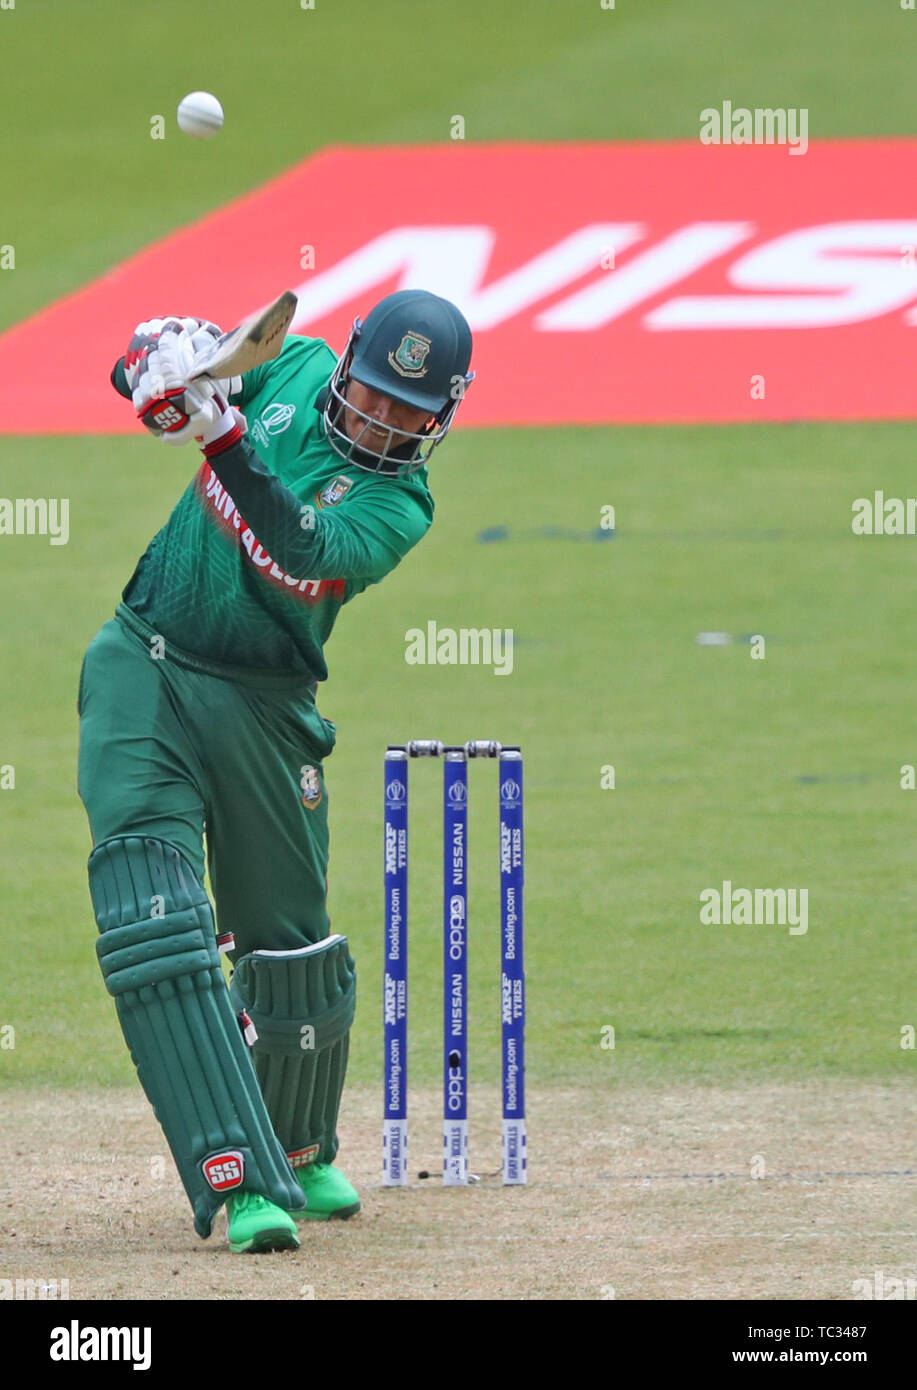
pixel 415 347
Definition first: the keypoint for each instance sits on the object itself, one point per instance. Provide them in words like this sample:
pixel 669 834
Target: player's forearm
pixel 297 536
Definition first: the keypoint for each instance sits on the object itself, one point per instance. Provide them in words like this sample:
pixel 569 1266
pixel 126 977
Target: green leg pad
pixel 301 1003
pixel 159 958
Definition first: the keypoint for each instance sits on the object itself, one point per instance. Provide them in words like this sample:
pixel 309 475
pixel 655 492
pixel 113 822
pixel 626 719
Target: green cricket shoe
pixel 328 1194
pixel 257 1225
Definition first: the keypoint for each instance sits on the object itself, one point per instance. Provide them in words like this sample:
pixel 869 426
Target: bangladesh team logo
pixel 311 787
pixel 410 355
pixel 338 487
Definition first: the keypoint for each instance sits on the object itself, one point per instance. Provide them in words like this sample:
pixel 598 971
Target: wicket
pixel 455 958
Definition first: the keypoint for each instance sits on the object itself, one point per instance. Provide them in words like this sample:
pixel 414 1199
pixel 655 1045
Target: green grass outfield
pixel 741 529
pixel 745 530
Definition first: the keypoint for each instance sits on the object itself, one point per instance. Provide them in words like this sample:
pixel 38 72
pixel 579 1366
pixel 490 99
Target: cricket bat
pixel 256 340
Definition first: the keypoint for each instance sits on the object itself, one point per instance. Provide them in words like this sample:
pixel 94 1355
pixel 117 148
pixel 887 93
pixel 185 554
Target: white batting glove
pixel 178 410
pixel 212 423
pixel 201 332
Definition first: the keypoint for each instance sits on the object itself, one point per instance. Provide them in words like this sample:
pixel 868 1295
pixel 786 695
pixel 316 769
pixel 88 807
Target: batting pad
pixel 159 958
pixel 302 1004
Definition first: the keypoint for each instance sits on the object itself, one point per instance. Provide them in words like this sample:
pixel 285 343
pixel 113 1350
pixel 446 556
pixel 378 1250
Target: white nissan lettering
pixel 824 275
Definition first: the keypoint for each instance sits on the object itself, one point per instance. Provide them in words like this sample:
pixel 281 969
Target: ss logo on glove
pixel 168 417
pixel 167 412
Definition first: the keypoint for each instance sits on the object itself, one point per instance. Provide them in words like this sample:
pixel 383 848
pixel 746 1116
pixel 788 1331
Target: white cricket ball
pixel 200 114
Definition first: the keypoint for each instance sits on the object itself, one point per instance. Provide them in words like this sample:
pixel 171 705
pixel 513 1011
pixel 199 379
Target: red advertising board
pixel 603 282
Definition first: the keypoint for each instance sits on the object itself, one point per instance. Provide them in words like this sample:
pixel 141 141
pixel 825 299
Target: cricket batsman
pixel 199 724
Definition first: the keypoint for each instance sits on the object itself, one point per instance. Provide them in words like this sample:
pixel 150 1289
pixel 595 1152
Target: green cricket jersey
pixel 275 533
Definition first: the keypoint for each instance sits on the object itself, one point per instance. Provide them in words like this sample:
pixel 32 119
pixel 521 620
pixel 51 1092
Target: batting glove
pixel 178 410
pixel 201 333
pixel 210 421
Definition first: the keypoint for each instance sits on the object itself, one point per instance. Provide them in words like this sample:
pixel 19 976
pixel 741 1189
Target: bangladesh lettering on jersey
pixel 228 513
pixel 270 539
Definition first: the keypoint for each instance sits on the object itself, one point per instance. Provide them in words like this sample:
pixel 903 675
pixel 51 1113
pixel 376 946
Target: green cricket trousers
pixel 175 748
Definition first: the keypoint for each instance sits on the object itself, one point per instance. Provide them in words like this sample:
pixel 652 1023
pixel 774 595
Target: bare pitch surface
pixel 654 1197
